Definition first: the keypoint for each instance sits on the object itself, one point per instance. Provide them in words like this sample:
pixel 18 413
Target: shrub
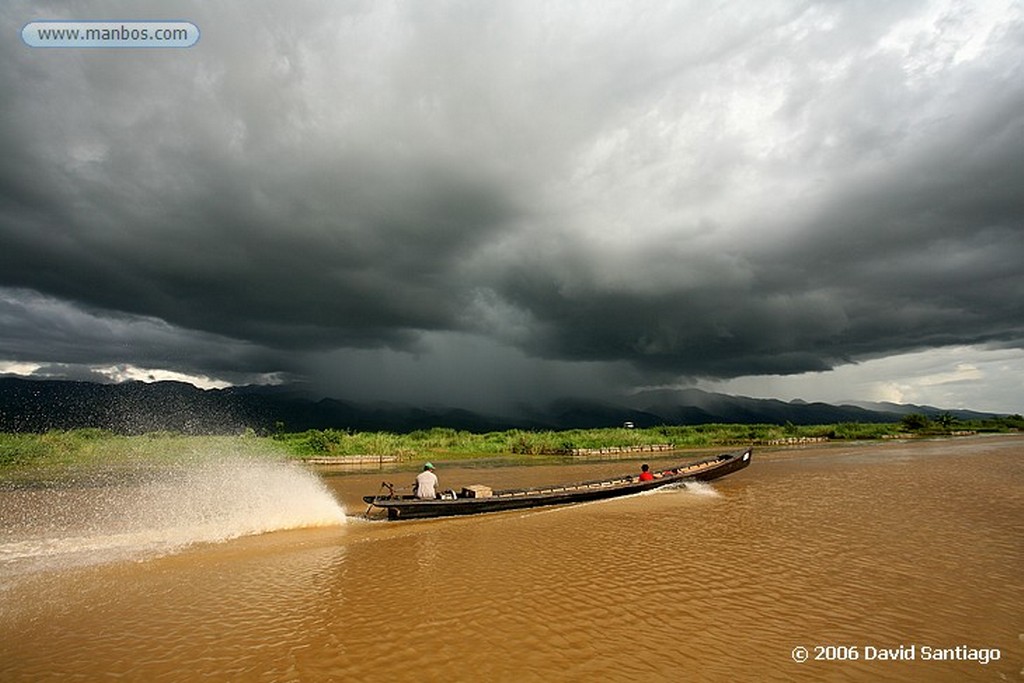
pixel 915 421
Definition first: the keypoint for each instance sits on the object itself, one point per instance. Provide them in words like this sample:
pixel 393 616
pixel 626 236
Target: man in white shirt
pixel 426 483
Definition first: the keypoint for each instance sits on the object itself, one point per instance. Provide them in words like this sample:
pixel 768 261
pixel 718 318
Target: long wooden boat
pixel 478 499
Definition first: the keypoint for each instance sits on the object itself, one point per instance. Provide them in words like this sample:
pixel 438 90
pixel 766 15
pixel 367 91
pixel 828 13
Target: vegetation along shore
pixel 95 446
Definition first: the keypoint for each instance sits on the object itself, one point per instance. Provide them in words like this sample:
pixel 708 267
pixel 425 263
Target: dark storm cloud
pixel 67 340
pixel 237 226
pixel 694 192
pixel 906 234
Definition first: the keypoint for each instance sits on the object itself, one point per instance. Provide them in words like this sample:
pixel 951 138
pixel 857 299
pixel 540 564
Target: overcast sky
pixel 482 203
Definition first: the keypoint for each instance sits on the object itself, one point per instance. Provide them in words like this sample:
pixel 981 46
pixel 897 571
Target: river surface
pixel 857 553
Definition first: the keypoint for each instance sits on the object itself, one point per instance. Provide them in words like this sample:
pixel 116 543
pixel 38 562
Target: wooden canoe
pixel 472 502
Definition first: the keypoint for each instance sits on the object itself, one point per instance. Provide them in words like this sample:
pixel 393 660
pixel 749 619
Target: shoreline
pixel 27 456
pixel 761 453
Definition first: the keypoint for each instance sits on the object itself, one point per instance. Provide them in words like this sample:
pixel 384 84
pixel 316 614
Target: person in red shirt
pixel 645 473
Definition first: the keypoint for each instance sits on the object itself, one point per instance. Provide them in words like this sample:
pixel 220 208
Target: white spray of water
pixel 690 488
pixel 159 512
pixel 701 488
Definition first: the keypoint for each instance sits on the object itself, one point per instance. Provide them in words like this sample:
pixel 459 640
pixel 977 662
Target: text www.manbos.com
pixel 110 34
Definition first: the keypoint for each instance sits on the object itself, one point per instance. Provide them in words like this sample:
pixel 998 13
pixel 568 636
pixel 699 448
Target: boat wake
pixel 701 488
pixel 690 488
pixel 143 514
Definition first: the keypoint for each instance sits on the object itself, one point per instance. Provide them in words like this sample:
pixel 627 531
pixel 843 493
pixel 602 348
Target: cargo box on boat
pixel 476 491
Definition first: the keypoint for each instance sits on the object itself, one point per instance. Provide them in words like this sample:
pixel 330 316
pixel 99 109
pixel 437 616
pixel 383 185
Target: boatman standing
pixel 426 483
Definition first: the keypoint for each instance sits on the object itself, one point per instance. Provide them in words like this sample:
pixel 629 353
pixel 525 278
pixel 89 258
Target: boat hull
pixel 408 507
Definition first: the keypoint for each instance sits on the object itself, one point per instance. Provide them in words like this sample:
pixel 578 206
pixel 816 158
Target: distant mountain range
pixel 28 405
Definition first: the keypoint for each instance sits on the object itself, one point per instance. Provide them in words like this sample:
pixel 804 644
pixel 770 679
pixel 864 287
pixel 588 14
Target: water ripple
pixel 718 582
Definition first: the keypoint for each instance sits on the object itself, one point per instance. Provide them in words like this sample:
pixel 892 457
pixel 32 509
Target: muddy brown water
pixel 888 561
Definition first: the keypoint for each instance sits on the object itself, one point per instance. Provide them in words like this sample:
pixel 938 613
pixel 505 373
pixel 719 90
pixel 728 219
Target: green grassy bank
pixel 85 446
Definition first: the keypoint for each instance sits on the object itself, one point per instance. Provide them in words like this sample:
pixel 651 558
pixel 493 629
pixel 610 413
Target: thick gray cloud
pixel 69 340
pixel 685 189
